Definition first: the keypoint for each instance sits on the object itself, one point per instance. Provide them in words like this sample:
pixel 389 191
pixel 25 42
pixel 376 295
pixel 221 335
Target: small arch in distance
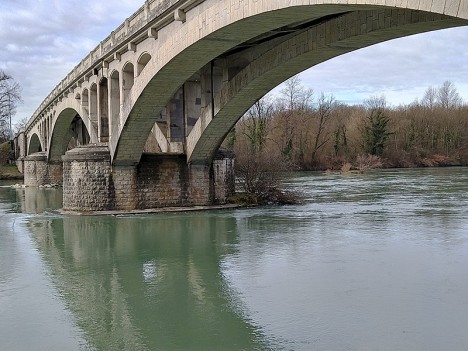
pixel 34 144
pixel 142 62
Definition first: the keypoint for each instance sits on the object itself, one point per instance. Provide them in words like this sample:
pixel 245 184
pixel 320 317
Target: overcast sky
pixel 42 40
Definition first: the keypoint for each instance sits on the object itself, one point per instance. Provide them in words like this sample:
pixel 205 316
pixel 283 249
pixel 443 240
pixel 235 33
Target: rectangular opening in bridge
pixel 192 104
pixel 176 116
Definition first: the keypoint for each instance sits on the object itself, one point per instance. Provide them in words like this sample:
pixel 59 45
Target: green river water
pixel 377 261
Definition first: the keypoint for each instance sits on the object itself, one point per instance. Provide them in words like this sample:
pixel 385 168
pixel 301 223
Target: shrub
pixel 4 153
pixel 367 162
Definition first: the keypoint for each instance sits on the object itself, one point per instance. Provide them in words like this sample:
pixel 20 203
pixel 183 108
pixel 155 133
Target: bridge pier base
pixel 39 172
pixel 87 179
pixel 91 183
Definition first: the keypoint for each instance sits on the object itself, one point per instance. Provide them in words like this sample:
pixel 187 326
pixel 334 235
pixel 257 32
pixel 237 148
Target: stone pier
pixel 38 172
pixel 91 183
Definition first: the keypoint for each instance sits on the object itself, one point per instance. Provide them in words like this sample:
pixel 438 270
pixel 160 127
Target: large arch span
pixel 255 47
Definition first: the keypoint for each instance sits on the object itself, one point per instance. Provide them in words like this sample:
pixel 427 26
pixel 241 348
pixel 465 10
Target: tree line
pixel 297 130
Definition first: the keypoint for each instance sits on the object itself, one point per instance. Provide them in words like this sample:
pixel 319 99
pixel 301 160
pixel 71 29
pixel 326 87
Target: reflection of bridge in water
pixel 38 200
pixel 175 77
pixel 146 283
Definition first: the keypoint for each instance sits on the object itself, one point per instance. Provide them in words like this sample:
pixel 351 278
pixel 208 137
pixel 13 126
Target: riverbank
pixel 10 172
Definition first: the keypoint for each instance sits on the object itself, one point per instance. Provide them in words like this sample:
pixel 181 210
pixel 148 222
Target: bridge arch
pixel 34 144
pixel 103 109
pixel 269 66
pixel 64 130
pixel 128 79
pixel 188 47
pixel 142 62
pixel 114 100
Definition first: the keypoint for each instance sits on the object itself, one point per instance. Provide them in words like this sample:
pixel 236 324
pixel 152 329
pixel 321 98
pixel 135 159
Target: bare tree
pixel 295 101
pixel 20 125
pixel 9 98
pixel 448 97
pixel 429 99
pixel 295 96
pixel 257 121
pixel 376 103
pixel 326 105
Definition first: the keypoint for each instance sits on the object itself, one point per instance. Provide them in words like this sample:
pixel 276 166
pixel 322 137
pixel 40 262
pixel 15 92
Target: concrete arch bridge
pixel 138 122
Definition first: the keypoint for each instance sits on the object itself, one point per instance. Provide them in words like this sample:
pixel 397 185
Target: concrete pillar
pixel 206 93
pixel 168 181
pixel 20 164
pixel 37 171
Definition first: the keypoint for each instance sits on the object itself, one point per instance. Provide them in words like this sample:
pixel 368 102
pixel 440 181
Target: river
pixel 375 261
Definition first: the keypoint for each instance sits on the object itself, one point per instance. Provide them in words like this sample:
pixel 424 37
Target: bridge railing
pixel 148 15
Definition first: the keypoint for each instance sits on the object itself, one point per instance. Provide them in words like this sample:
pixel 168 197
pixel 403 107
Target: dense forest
pixel 298 130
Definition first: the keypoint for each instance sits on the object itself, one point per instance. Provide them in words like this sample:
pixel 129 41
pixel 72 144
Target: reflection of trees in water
pixel 8 246
pixel 150 282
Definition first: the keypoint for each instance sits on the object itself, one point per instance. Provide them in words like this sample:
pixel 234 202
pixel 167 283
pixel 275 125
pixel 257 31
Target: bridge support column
pixel 167 180
pixel 92 184
pixel 38 172
pixel 200 185
pixel 87 179
pixel 224 177
pixel 125 187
